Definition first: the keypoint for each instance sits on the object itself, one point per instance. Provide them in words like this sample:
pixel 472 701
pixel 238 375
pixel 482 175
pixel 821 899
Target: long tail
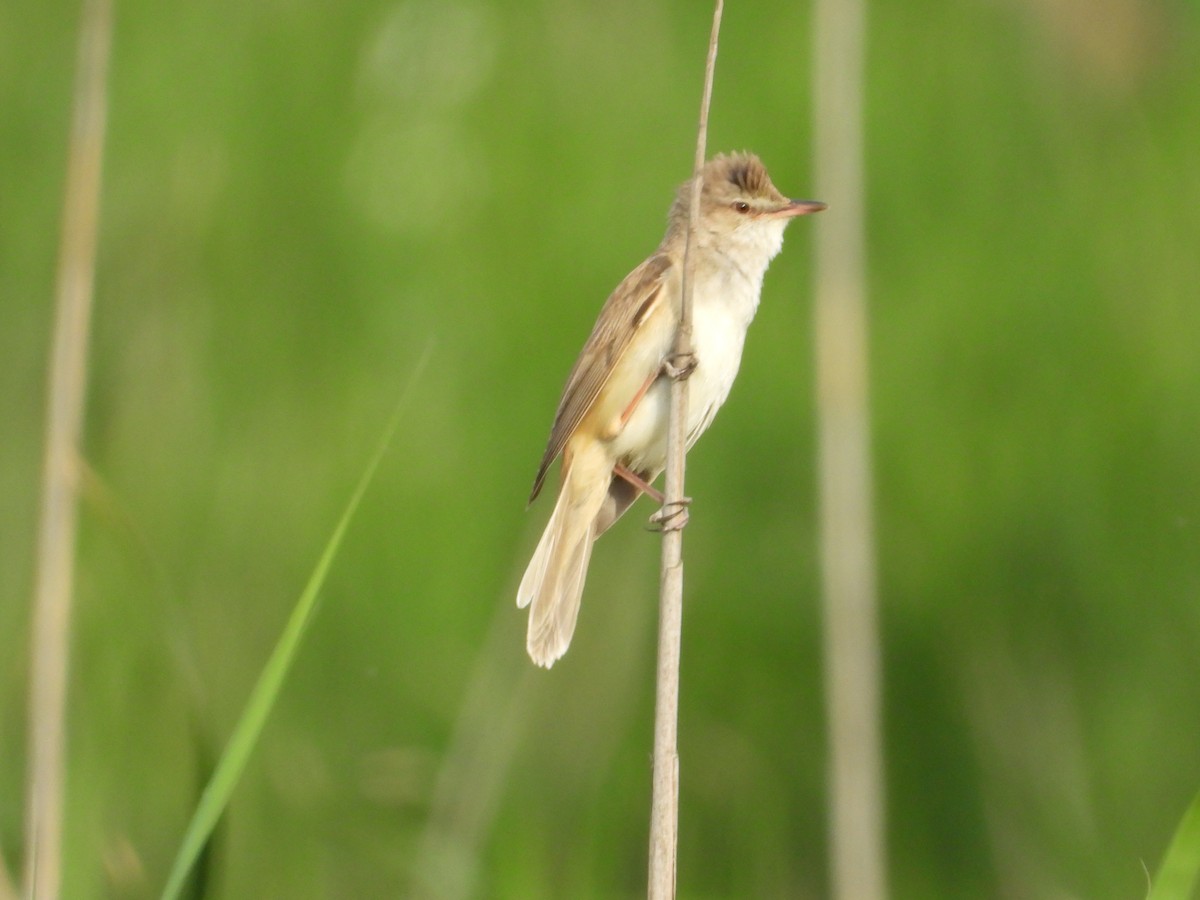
pixel 553 582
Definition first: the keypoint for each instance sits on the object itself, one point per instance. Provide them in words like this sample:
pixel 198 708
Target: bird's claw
pixel 679 365
pixel 673 516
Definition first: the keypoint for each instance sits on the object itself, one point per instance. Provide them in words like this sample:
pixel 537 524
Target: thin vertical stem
pixel 847 552
pixel 67 382
pixel 664 810
pixel 8 890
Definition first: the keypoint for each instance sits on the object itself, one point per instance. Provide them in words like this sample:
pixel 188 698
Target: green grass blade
pixel 266 690
pixel 1177 875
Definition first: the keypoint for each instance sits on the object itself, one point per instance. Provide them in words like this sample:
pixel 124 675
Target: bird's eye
pixel 741 206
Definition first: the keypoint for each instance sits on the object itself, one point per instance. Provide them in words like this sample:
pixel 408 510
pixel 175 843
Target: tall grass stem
pixel 1180 869
pixel 58 512
pixel 847 547
pixel 266 691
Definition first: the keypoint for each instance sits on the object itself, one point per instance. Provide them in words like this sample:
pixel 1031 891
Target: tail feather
pixel 552 615
pixel 553 582
pixel 535 572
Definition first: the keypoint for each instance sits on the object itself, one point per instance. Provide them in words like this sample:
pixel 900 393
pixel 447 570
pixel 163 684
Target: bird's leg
pixel 638 482
pixel 633 404
pixel 670 516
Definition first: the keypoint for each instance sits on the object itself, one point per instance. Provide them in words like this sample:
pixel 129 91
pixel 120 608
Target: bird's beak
pixel 800 208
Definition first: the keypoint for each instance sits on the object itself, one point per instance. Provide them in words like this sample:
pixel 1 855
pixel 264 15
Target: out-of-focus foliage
pixel 299 198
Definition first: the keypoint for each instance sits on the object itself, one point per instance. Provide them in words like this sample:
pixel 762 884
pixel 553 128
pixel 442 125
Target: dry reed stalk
pixel 67 381
pixel 664 808
pixel 847 552
pixel 8 890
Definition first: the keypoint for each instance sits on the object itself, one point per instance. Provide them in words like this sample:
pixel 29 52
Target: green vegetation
pixel 298 198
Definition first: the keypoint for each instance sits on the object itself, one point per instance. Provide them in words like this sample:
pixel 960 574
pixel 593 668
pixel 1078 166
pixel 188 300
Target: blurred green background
pixel 299 198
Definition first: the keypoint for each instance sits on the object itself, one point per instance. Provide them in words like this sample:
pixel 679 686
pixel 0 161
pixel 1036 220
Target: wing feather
pixel 625 309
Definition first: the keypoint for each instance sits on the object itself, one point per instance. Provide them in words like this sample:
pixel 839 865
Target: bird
pixel 611 423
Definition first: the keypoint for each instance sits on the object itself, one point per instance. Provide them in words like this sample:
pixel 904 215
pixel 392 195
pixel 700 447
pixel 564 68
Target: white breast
pixel 724 304
pixel 724 301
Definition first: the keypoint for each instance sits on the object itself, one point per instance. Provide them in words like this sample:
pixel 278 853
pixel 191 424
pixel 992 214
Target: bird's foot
pixel 678 366
pixel 673 516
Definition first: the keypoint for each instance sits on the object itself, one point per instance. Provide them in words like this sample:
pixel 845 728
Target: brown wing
pixel 610 336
